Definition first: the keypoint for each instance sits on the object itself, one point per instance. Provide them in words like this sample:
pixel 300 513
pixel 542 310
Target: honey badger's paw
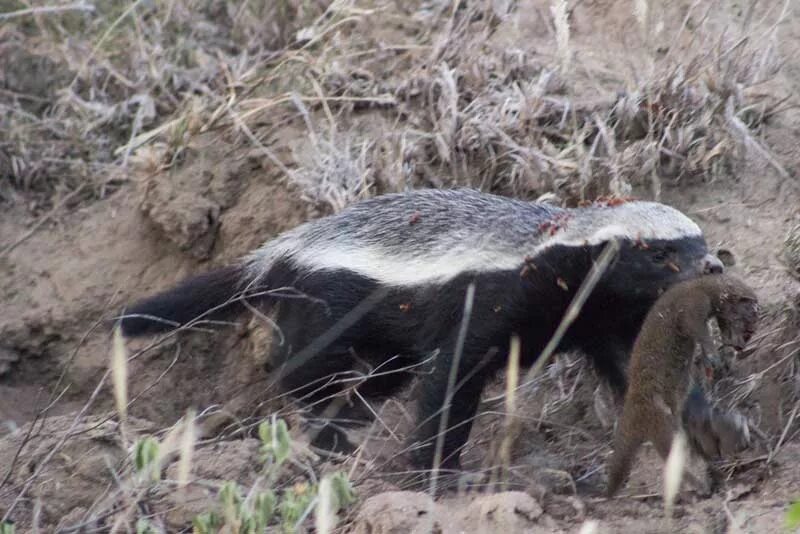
pixel 447 481
pixel 713 433
pixel 733 434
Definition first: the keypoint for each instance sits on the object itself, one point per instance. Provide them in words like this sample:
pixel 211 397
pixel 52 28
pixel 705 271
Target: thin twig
pixel 591 280
pixel 786 428
pixel 451 382
pixel 47 10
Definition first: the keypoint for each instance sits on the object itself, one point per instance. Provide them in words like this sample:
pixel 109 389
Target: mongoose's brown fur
pixel 659 373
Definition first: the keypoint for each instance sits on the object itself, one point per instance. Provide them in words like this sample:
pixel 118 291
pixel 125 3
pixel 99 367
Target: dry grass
pixel 463 111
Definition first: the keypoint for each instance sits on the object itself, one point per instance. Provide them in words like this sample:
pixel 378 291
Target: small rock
pixel 188 219
pixel 510 511
pixel 398 512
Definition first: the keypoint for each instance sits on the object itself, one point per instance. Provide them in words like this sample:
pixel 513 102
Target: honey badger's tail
pixel 209 296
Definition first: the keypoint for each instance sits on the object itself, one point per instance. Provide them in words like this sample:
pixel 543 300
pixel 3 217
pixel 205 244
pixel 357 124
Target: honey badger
pixel 419 251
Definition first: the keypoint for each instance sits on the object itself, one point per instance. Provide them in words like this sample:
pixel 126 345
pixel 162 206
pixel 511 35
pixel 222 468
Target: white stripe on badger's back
pixel 430 235
pixel 412 270
pixel 632 220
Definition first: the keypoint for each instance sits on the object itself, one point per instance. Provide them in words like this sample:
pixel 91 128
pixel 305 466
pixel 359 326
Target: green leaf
pixel 342 490
pixel 145 456
pixel 263 509
pixel 275 440
pixel 6 528
pixel 206 523
pixel 143 526
pixel 294 504
pixel 793 515
pixel 231 498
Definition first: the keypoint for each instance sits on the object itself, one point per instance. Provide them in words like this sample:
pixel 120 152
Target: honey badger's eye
pixel 660 255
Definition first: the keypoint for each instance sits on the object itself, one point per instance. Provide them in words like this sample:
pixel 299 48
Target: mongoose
pixel 659 373
pixel 383 282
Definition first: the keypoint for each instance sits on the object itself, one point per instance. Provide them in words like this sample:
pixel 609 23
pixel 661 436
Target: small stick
pixel 598 268
pixel 778 445
pixel 451 383
pixel 47 10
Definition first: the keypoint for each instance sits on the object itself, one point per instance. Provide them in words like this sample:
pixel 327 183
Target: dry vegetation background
pixel 143 141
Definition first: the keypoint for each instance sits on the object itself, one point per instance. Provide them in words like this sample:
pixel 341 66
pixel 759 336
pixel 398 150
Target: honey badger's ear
pixel 726 257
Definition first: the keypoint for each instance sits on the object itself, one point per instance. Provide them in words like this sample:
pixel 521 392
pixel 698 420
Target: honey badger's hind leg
pixel 475 369
pixel 610 356
pixel 334 372
pixel 344 390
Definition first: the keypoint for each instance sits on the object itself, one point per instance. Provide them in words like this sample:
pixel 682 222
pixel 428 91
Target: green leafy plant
pixel 231 499
pixel 243 516
pixel 275 441
pixel 264 509
pixel 255 513
pixel 295 504
pixel 206 523
pixel 145 457
pixel 143 526
pixel 333 493
pixel 342 490
pixel 793 515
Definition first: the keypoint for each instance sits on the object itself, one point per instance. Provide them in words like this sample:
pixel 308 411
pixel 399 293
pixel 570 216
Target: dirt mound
pixel 67 465
pixel 406 511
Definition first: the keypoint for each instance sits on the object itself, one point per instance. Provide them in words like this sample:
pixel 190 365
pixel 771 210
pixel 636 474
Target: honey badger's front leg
pixel 713 433
pixel 459 409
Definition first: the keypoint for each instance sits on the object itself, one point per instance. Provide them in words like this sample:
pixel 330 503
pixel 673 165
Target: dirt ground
pixel 73 254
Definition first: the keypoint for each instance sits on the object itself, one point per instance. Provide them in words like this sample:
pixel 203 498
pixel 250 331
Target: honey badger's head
pixel 659 246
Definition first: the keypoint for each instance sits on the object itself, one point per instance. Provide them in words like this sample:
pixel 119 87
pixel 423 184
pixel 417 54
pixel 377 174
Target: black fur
pixel 408 324
pixel 405 325
pixel 209 296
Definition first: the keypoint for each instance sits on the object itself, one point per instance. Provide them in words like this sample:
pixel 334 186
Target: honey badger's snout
pixel 710 264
